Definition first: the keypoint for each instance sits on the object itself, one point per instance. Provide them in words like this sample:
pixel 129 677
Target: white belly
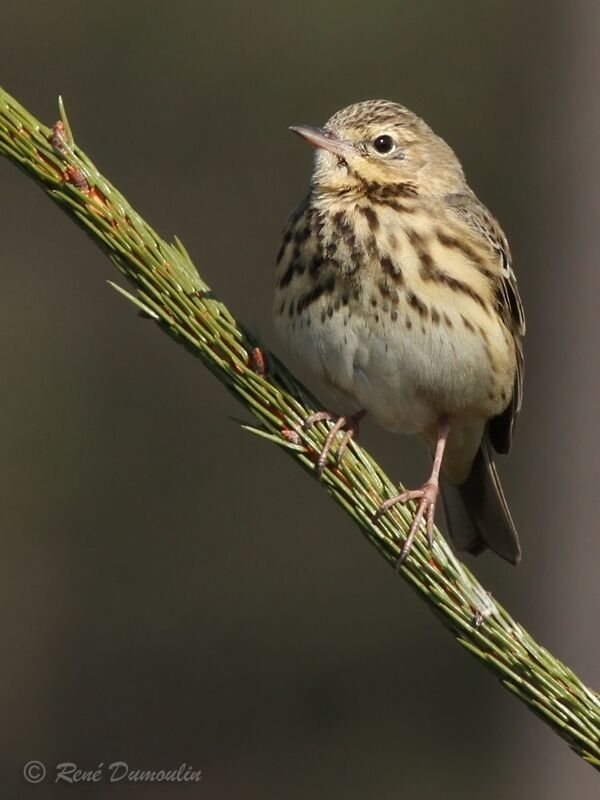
pixel 406 373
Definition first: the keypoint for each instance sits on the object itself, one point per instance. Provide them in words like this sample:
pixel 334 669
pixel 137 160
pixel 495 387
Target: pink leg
pixel 346 422
pixel 427 496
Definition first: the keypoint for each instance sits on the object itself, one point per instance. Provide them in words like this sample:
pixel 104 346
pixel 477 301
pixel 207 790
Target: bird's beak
pixel 319 137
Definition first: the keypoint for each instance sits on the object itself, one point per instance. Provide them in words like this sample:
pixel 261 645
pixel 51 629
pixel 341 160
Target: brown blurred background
pixel 174 590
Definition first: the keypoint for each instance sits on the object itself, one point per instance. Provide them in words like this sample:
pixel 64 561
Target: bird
pixel 395 287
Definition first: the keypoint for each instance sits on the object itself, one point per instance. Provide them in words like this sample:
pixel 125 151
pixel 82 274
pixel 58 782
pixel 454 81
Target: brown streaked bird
pixel 395 286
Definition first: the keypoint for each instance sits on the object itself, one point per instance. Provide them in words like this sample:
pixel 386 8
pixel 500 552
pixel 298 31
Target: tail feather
pixel 477 512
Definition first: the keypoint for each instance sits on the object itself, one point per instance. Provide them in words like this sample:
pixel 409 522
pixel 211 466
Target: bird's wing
pixel 508 305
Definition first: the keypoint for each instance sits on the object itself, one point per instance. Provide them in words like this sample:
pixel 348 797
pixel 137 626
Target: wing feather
pixel 508 305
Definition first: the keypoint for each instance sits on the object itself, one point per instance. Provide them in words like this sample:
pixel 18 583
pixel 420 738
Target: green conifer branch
pixel 168 289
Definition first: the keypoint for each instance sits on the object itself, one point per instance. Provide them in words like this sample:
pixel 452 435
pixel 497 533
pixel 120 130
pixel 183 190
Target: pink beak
pixel 321 138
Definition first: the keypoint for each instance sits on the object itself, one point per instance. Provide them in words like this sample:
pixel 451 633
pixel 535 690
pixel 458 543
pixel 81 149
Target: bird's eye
pixel 384 144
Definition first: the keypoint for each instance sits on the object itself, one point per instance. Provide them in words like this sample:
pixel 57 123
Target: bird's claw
pixel 427 497
pixel 349 423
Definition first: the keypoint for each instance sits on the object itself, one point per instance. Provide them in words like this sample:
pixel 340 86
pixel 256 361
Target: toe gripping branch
pixel 427 496
pixel 349 423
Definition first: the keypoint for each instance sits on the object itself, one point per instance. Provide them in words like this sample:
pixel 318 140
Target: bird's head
pixel 378 142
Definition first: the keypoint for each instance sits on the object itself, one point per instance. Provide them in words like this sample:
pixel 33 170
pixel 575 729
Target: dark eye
pixel 384 144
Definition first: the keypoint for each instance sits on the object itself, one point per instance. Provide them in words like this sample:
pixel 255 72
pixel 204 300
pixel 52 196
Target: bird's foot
pixel 349 423
pixel 427 497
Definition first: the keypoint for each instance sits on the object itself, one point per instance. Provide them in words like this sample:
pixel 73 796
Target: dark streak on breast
pixel 371 216
pixel 454 243
pixel 391 269
pixel 417 304
pixel 431 272
pixel 315 293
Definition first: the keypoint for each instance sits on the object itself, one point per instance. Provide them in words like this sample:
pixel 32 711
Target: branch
pixel 169 290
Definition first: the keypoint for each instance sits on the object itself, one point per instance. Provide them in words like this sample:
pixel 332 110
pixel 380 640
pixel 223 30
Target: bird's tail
pixel 477 513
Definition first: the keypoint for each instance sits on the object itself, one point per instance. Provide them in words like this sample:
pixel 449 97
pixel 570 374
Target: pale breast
pixel 395 314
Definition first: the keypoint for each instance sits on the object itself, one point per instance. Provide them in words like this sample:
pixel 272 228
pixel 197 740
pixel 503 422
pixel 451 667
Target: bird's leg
pixel 427 496
pixel 349 423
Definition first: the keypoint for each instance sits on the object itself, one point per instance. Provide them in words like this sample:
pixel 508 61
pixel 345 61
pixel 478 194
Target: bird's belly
pixel 405 371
